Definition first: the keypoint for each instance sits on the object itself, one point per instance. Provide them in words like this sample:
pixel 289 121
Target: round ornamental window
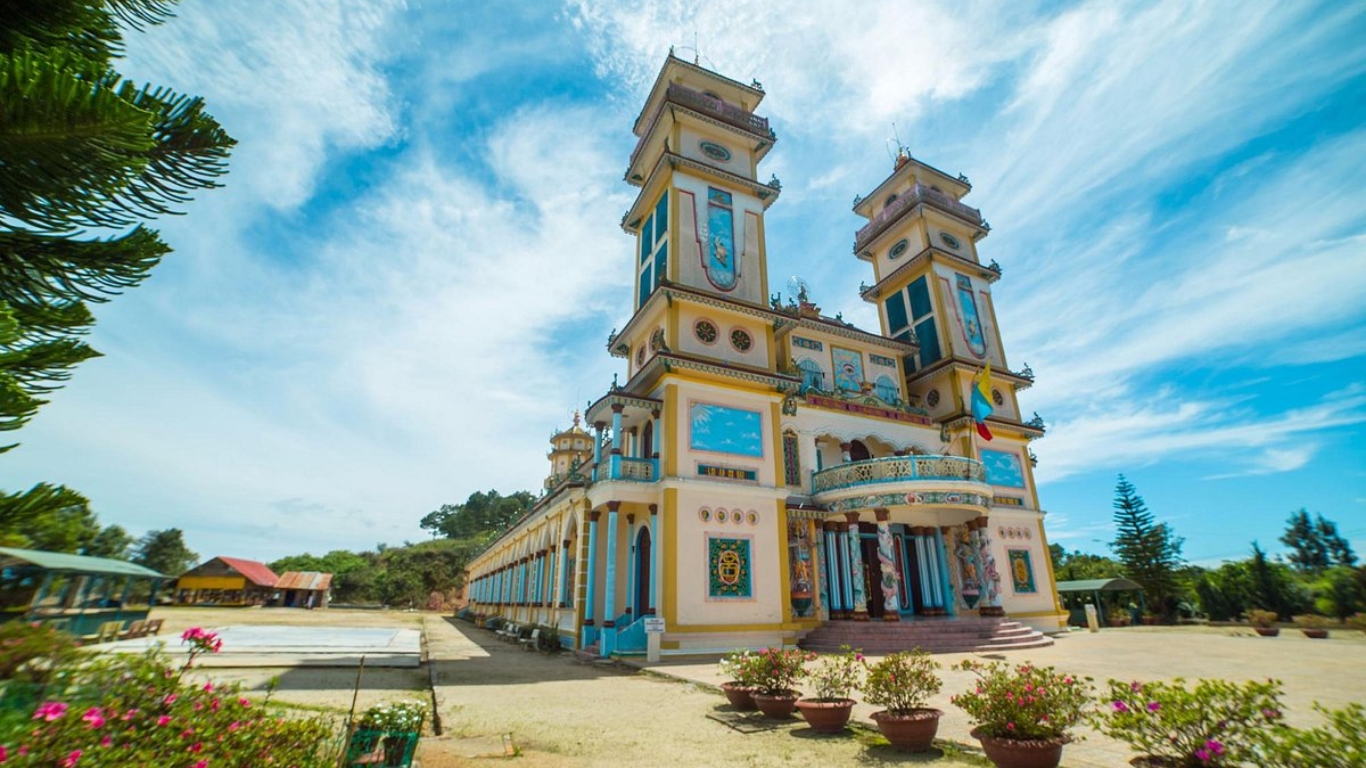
pixel 704 515
pixel 715 151
pixel 740 339
pixel 997 398
pixel 640 356
pixel 899 248
pixel 753 517
pixel 950 240
pixel 932 399
pixel 704 331
pixel 720 515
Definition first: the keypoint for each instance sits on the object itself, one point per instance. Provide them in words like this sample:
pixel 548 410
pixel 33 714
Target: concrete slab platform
pixel 264 645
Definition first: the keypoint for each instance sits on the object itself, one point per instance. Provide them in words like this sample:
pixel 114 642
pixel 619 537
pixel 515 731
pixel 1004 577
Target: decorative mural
pixel 729 574
pixel 722 269
pixel 972 323
pixel 1003 468
pixel 966 551
pixel 986 562
pixel 1021 571
pixel 848 369
pixel 811 344
pixel 724 429
pixel 799 559
pixel 955 498
pixel 856 586
pixel 886 559
pixel 792 469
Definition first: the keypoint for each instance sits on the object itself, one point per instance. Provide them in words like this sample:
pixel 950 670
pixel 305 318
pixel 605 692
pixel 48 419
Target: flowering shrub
pixel 1260 618
pixel 1313 621
pixel 1214 723
pixel 777 670
pixel 1023 702
pixel 1341 743
pixel 741 666
pixel 125 711
pixel 400 717
pixel 836 674
pixel 902 682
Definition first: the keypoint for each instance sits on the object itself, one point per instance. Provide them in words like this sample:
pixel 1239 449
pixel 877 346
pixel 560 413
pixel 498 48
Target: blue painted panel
pixel 1003 468
pixel 726 430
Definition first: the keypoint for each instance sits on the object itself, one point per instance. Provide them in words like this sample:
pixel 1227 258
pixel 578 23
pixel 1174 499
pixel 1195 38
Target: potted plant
pixel 1263 622
pixel 776 672
pixel 901 683
pixel 387 734
pixel 739 666
pixel 1023 713
pixel 836 675
pixel 1357 621
pixel 1313 625
pixel 1172 724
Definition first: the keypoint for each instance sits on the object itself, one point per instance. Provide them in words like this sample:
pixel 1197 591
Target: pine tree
pixel 165 552
pixel 1149 552
pixel 1315 545
pixel 81 149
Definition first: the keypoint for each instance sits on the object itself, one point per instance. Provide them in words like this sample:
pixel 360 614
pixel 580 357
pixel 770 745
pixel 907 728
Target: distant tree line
pixel 1318 575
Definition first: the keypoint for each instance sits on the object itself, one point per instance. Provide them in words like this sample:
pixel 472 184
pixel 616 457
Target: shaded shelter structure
pixel 74 593
pixel 303 589
pixel 1113 598
pixel 227 581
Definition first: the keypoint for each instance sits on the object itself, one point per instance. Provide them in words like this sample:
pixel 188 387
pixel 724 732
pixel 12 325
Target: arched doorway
pixel 647 441
pixel 644 556
pixel 858 451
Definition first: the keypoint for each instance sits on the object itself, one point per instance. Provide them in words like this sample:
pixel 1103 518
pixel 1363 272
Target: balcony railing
pixel 714 107
pixel 897 469
pixel 918 194
pixel 639 470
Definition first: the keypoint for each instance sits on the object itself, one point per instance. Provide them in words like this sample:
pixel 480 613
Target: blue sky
pixel 408 280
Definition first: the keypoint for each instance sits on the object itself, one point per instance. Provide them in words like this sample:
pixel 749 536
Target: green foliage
pixel 127 711
pixel 112 542
pixel 1213 723
pixel 741 666
pixel 1079 566
pixel 1274 587
pixel 1338 592
pixel 396 717
pixel 1149 551
pixel 165 552
pixel 1025 701
pixel 836 675
pixel 903 681
pixel 482 516
pixel 353 573
pixel 48 517
pixel 1315 545
pixel 777 670
pixel 1340 743
pixel 31 654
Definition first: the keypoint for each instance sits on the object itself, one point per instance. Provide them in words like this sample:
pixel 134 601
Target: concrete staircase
pixel 936 635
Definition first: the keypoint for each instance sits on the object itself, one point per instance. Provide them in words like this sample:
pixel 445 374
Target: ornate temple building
pixel 765 470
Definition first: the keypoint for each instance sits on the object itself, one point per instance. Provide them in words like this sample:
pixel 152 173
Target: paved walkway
pixel 1332 672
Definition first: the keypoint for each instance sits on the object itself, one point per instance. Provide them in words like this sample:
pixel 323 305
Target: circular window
pixel 704 331
pixel 899 248
pixel 997 398
pixel 932 399
pixel 715 151
pixel 720 515
pixel 753 517
pixel 704 515
pixel 640 356
pixel 950 240
pixel 740 339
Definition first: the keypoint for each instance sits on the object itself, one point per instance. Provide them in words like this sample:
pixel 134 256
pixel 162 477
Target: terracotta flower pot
pixel 910 730
pixel 1021 753
pixel 826 716
pixel 1317 633
pixel 1267 631
pixel 776 705
pixel 740 696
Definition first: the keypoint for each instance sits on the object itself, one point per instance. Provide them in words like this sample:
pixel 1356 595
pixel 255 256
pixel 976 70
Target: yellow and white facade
pixel 765 468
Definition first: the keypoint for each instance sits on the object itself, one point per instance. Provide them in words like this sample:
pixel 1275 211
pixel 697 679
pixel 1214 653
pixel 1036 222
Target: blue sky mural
pixel 726 430
pixel 1003 468
pixel 345 337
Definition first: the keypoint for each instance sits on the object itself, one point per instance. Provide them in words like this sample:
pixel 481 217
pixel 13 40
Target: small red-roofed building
pixel 227 581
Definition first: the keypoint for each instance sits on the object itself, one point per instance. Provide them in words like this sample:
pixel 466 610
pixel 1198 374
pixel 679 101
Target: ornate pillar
pixel 991 579
pixel 658 434
pixel 886 560
pixel 590 632
pixel 616 441
pixel 632 572
pixel 941 536
pixel 597 448
pixel 561 568
pixel 858 597
pixel 844 452
pixel 609 589
pixel 834 598
pixel 548 578
pixel 655 553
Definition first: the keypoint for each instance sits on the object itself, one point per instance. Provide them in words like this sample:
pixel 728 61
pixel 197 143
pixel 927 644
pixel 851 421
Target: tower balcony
pixel 718 109
pixel 950 480
pixel 918 194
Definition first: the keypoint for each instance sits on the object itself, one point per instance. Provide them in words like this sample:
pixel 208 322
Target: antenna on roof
pixel 696 52
pixel 903 152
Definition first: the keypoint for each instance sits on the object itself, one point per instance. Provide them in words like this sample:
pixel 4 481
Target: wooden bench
pixel 154 626
pixel 136 629
pixel 532 641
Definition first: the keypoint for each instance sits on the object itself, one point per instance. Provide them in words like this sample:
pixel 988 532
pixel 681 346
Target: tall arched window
pixel 886 390
pixel 812 375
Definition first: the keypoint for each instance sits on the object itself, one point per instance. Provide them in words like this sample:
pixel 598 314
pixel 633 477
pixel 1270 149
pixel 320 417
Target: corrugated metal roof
pixel 1097 585
pixel 259 574
pixel 61 561
pixel 309 580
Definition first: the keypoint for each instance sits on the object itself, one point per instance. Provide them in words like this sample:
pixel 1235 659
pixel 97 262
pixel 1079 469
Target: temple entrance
pixel 872 577
pixel 643 559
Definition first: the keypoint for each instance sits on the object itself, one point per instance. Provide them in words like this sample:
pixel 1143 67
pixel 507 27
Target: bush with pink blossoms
pixel 1210 723
pixel 1023 701
pixel 122 711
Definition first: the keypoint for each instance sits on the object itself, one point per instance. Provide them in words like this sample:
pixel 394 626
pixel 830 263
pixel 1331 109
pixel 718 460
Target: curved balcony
pixel 903 480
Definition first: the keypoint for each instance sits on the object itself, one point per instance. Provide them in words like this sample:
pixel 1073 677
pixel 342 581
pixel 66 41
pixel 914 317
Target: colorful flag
pixel 981 402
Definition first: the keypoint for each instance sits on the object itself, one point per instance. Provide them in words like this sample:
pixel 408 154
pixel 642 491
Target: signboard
pixel 654 626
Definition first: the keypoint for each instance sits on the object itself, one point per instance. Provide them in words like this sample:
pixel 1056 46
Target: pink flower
pixel 4 753
pixel 201 764
pixel 1153 706
pixel 106 741
pixel 50 710
pixel 163 720
pixel 71 758
pixel 197 747
pixel 244 701
pixel 170 698
pixel 1214 747
pixel 1010 726
pixel 1120 706
pixel 208 687
pixel 94 717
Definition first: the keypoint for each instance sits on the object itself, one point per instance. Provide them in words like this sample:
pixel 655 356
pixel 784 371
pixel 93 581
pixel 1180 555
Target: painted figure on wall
pixel 967 567
pixel 990 579
pixel 972 325
pixel 886 564
pixel 848 369
pixel 721 267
